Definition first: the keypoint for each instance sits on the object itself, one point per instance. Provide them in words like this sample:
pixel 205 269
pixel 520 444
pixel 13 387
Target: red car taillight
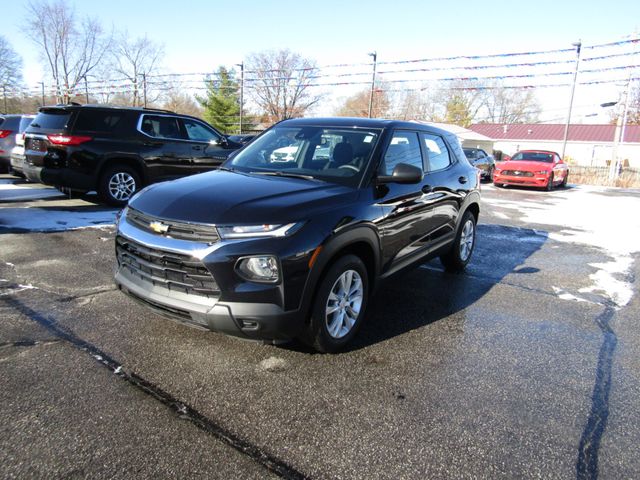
pixel 5 133
pixel 68 139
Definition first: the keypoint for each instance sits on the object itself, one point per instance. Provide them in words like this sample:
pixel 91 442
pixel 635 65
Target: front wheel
pixel 456 259
pixel 339 305
pixel 564 181
pixel 550 184
pixel 118 184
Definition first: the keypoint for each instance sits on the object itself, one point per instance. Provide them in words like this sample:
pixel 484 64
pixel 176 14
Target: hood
pixel 227 198
pixel 525 165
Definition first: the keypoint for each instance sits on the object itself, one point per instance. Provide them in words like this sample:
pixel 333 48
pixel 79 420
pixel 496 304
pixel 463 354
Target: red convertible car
pixel 532 168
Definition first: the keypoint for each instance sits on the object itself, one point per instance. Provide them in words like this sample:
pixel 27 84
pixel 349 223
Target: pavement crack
pixel 589 448
pixel 182 409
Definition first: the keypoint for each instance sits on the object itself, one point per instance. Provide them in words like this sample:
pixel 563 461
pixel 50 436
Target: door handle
pixel 462 179
pixel 427 189
pixel 197 147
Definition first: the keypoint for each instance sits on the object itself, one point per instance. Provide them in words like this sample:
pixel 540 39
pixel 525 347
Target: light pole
pixel 241 65
pixel 373 80
pixel 578 46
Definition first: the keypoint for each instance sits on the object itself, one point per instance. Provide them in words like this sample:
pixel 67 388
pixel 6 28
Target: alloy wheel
pixel 344 303
pixel 122 186
pixel 467 238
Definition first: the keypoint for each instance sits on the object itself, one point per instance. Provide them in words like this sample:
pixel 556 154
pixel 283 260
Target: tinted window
pixel 404 148
pixel 24 123
pixel 160 126
pixel 198 132
pixel 102 121
pixel 52 119
pixel 1 120
pixel 437 151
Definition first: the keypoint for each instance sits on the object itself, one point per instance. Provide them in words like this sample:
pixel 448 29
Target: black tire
pixel 490 176
pixel 320 335
pixel 118 184
pixel 549 186
pixel 499 185
pixel 457 258
pixel 564 181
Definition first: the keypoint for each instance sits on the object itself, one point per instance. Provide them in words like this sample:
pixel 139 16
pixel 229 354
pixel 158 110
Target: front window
pixel 534 157
pixel 330 154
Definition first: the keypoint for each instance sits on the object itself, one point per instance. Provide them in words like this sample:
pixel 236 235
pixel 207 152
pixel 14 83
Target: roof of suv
pixel 362 122
pixel 76 106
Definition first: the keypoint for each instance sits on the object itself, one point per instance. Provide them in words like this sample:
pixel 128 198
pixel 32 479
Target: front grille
pixel 196 232
pixel 176 272
pixel 517 173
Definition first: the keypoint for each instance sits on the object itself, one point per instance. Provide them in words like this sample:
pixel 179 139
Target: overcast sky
pixel 201 35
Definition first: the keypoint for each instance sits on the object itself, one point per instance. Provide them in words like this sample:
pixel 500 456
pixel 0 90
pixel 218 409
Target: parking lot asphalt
pixel 526 366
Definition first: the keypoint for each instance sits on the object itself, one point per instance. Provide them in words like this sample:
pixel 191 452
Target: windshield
pixel 336 155
pixel 534 156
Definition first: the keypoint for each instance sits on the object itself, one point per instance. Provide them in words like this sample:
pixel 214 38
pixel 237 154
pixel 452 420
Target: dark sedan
pixel 482 161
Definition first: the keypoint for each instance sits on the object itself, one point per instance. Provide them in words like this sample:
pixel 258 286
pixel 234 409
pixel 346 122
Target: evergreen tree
pixel 221 103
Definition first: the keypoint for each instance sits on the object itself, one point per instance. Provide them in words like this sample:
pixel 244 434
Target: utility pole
pixel 578 46
pixel 144 88
pixel 241 65
pixel 86 88
pixel 373 80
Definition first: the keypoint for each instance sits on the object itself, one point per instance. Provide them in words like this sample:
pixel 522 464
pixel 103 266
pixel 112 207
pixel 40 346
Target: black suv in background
pixel 117 150
pixel 271 249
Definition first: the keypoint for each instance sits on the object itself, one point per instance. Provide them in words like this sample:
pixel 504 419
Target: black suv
pixel 277 246
pixel 116 150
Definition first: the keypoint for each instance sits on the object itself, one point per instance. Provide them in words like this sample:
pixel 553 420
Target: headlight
pixel 253 231
pixel 497 170
pixel 263 269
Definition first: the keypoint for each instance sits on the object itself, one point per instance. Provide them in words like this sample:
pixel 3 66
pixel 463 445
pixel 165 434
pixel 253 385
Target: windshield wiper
pixel 287 174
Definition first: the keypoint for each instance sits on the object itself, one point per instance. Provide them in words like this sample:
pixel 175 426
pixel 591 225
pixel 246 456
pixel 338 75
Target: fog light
pixel 264 269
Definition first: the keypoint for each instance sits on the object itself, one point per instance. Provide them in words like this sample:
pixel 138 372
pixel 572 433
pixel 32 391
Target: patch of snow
pixel 501 215
pixel 13 193
pixel 591 217
pixel 273 364
pixel 54 220
pixel 564 295
pixel 16 289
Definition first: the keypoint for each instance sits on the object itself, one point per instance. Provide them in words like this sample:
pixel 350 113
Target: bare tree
pixel 10 65
pixel 181 102
pixel 135 59
pixel 280 83
pixel 358 105
pixel 509 105
pixel 71 49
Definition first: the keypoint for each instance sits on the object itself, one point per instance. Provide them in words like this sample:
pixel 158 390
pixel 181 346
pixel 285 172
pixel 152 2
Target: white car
pixel 284 154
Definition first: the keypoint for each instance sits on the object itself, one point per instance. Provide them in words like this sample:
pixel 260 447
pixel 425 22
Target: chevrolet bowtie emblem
pixel 159 227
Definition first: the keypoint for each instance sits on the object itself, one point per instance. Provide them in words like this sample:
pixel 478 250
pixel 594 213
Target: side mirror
pixel 402 173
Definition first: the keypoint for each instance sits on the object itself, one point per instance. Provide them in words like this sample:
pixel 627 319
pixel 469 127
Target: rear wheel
pixel 339 306
pixel 564 181
pixel 118 184
pixel 456 259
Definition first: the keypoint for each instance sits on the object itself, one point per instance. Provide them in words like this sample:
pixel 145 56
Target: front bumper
pixel 535 181
pixel 262 316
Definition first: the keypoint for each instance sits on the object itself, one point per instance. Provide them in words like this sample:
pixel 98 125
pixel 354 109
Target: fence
pixel 628 178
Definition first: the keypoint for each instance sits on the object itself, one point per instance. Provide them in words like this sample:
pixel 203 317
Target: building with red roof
pixel 586 144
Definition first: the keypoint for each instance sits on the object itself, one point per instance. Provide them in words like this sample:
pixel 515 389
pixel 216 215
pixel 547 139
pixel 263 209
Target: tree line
pixel 79 51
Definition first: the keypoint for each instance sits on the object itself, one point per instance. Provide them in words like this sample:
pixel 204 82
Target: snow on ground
pixel 589 216
pixel 11 192
pixel 54 219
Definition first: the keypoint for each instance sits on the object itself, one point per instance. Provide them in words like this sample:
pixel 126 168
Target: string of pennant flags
pixel 433 69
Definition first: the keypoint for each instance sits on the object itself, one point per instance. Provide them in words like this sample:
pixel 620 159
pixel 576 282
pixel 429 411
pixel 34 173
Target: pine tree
pixel 221 103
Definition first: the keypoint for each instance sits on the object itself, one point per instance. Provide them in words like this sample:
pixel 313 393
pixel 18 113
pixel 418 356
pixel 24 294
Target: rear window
pixel 101 121
pixel 52 120
pixel 25 122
